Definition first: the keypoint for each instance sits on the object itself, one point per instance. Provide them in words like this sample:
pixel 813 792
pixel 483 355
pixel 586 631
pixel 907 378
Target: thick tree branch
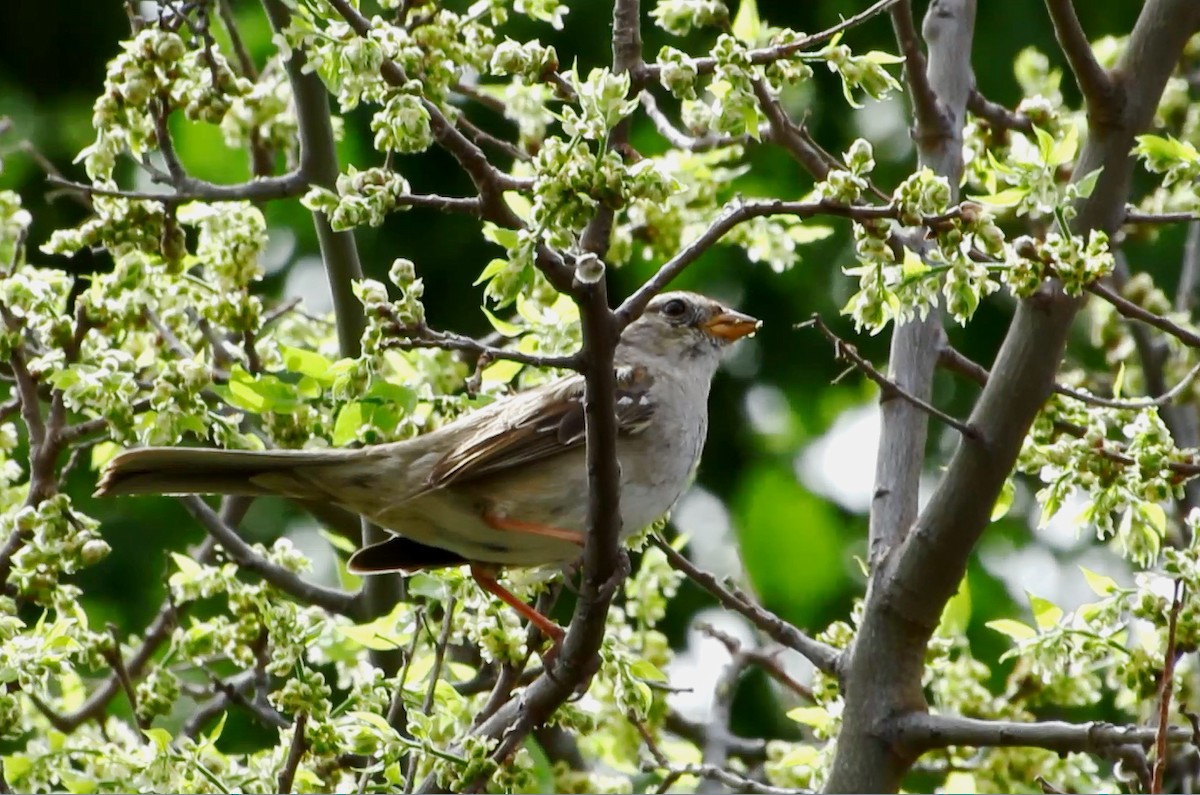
pixel 907 597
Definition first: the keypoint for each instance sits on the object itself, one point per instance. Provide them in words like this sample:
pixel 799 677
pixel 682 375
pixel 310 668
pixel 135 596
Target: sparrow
pixel 503 486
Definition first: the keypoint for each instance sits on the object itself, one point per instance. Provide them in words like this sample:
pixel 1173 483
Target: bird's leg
pixel 486 578
pixel 499 522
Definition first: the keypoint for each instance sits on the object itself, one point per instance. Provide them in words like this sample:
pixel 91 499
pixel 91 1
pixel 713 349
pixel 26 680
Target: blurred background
pixel 786 478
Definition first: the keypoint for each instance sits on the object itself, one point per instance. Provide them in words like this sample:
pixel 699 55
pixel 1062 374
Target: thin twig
pixel 296 752
pixel 435 674
pixel 888 388
pixel 332 599
pixel 1129 309
pixel 189 189
pixel 825 658
pixel 920 732
pixel 766 55
pixel 1164 690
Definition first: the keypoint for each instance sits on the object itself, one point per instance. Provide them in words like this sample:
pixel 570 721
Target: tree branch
pixel 766 55
pixel 824 657
pixel 997 115
pixel 920 732
pixel 1094 82
pixel 908 595
pixel 889 389
pixel 331 599
pixel 319 161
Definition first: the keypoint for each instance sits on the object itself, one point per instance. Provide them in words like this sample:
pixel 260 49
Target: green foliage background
pixel 798 548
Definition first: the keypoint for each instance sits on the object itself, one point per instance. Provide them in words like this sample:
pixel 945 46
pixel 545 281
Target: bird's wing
pixel 540 424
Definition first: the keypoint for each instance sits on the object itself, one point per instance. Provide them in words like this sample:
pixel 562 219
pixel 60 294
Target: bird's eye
pixel 675 308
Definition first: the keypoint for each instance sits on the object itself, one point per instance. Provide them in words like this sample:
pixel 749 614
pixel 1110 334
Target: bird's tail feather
pixel 191 470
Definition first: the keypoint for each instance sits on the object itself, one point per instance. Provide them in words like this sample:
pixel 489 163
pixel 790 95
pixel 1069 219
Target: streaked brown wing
pixel 548 422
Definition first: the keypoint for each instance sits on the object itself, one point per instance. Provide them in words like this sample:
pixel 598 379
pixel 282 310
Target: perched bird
pixel 505 485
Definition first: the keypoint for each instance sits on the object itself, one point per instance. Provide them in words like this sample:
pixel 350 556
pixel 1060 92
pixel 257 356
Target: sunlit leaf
pixel 1012 628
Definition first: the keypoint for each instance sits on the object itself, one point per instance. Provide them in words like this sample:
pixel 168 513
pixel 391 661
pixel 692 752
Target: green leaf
pixel 913 265
pixel 309 363
pixel 490 270
pixel 1004 500
pixel 1087 183
pixel 16 766
pixel 1154 516
pixel 816 717
pixel 746 25
pixel 339 542
pixel 349 420
pixel 102 453
pixel 543 768
pixel 215 734
pixel 882 57
pixel 1045 143
pixel 506 238
pixel 1101 584
pixel 644 669
pixel 1014 629
pixel 398 395
pixel 501 372
pixel 502 326
pixel 160 737
pixel 189 568
pixel 380 634
pixel 1158 149
pixel 956 616
pixel 1010 197
pixel 1046 614
pixel 1065 148
pixel 378 721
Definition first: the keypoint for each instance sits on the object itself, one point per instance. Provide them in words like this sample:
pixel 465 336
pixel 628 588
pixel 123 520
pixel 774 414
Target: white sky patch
pixel 767 409
pixel 695 670
pixel 306 280
pixel 841 464
pixel 704 519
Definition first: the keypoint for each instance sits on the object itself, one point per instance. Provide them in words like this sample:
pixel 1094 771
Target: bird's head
pixel 686 325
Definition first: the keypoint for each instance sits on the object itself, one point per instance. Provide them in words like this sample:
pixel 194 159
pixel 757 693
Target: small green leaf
pixel 1046 614
pixel 104 452
pixel 882 57
pixel 1155 516
pixel 16 766
pixel 189 568
pixel 502 326
pixel 215 734
pixel 746 25
pixel 491 269
pixel 644 669
pixel 310 363
pixel 1119 381
pixel 339 542
pixel 1065 148
pixel 1101 584
pixel 1014 629
pixel 1087 183
pixel 378 721
pixel 1010 197
pixel 506 238
pixel 913 265
pixel 501 372
pixel 816 717
pixel 160 737
pixel 1004 500
pixel 956 616
pixel 349 420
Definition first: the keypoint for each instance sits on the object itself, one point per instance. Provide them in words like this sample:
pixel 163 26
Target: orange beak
pixel 731 326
